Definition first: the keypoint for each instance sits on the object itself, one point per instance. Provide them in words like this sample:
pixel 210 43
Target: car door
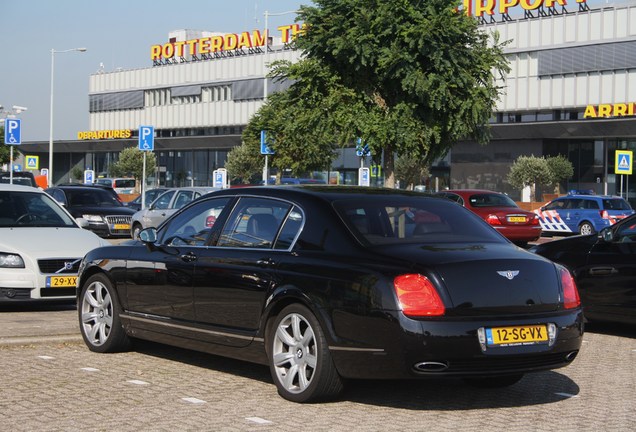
pixel 607 283
pixel 234 276
pixel 159 210
pixel 160 277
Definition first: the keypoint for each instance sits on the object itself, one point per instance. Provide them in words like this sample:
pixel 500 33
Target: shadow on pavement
pixel 37 306
pixel 426 395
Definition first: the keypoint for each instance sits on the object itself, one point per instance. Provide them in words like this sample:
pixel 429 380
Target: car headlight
pixel 8 260
pixel 93 218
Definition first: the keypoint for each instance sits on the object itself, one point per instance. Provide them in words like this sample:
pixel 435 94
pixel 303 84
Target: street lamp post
pixel 265 72
pixel 53 52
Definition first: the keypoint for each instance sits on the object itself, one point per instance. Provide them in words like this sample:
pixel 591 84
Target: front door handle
pixel 601 271
pixel 265 262
pixel 189 257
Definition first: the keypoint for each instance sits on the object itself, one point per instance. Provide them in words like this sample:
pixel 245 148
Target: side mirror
pixel 148 235
pixel 83 223
pixel 607 234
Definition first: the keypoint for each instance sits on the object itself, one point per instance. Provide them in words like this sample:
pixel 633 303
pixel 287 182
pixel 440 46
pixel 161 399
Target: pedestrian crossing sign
pixel 623 164
pixel 32 162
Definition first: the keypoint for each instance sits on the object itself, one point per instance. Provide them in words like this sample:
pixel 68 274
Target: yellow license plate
pixel 61 281
pixel 517 219
pixel 518 335
pixel 121 226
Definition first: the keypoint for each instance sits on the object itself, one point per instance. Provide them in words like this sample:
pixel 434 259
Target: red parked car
pixel 500 211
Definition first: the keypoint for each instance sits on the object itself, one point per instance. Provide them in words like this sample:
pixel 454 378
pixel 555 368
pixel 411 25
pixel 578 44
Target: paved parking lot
pixel 51 382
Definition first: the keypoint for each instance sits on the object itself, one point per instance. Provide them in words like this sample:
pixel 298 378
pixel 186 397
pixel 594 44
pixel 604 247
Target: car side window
pixel 163 202
pixel 556 205
pixel 183 197
pixel 254 223
pixel 193 226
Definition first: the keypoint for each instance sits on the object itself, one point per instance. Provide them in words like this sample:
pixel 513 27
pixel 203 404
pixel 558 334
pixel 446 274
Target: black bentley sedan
pixel 324 283
pixel 604 267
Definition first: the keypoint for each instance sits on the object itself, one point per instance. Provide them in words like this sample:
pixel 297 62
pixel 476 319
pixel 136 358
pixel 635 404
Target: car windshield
pixel 24 181
pixel 26 209
pixel 93 197
pixel 491 200
pixel 400 220
pixel 616 204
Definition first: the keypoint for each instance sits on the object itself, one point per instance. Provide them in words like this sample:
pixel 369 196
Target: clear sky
pixel 117 33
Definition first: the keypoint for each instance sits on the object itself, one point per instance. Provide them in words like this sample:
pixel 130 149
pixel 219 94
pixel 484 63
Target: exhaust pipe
pixel 571 355
pixel 430 366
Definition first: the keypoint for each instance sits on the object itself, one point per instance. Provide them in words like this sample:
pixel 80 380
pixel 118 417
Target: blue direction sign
pixel 265 149
pixel 623 161
pixel 146 138
pixel 13 131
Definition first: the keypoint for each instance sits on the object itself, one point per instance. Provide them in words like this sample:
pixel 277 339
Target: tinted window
pixel 193 226
pixel 254 223
pixel 395 220
pixel 616 204
pixel 491 200
pixel 124 183
pixel 183 197
pixel 93 197
pixel 23 209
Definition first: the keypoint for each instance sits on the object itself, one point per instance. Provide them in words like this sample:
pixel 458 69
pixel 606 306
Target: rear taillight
pixel 493 220
pixel 417 296
pixel 571 298
pixel 534 220
pixel 604 214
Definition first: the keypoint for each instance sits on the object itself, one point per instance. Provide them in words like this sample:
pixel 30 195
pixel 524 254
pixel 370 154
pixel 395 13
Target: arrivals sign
pixel 610 110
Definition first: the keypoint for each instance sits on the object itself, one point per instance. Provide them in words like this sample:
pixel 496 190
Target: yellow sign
pixel 623 163
pixel 105 134
pixel 480 8
pixel 32 162
pixel 610 110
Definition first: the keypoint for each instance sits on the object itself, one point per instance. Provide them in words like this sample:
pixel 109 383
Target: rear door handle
pixel 600 271
pixel 189 257
pixel 265 262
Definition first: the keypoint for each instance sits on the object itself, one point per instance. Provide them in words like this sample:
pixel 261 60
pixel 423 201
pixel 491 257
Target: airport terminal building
pixel 571 91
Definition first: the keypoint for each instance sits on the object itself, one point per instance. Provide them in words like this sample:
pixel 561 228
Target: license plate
pixel 517 219
pixel 121 226
pixel 518 335
pixel 61 281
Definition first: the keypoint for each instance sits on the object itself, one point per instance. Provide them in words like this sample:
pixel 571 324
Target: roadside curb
pixel 39 340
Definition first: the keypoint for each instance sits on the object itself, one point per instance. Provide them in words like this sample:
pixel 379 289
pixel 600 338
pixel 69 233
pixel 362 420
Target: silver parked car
pixel 164 206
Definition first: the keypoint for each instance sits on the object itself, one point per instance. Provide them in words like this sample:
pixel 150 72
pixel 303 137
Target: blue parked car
pixel 582 214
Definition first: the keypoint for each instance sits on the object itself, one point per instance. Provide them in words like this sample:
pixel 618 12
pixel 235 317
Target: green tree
pixel 130 163
pixel 560 169
pixel 408 77
pixel 244 164
pixel 410 171
pixel 77 173
pixel 529 171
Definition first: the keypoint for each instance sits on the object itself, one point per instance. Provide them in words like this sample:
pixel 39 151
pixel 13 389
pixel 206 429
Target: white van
pixel 120 185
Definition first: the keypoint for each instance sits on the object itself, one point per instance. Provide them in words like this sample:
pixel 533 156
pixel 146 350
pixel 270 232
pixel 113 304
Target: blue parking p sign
pixel 13 131
pixel 146 138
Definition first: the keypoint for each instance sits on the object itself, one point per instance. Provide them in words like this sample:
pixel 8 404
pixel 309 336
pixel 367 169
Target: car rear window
pixel 616 204
pixel 124 183
pixel 491 200
pixel 399 220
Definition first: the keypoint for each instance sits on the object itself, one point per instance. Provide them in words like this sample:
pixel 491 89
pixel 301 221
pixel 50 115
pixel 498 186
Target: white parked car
pixel 41 246
pixel 164 206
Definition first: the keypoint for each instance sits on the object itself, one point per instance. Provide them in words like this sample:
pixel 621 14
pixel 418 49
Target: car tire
pixel 135 231
pixel 586 228
pixel 299 357
pixel 98 309
pixel 494 381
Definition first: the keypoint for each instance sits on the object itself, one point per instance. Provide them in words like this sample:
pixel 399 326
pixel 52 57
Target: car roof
pixel 18 188
pixel 471 191
pixel 586 196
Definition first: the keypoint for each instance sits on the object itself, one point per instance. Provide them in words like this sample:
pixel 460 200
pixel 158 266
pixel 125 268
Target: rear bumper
pixel 454 350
